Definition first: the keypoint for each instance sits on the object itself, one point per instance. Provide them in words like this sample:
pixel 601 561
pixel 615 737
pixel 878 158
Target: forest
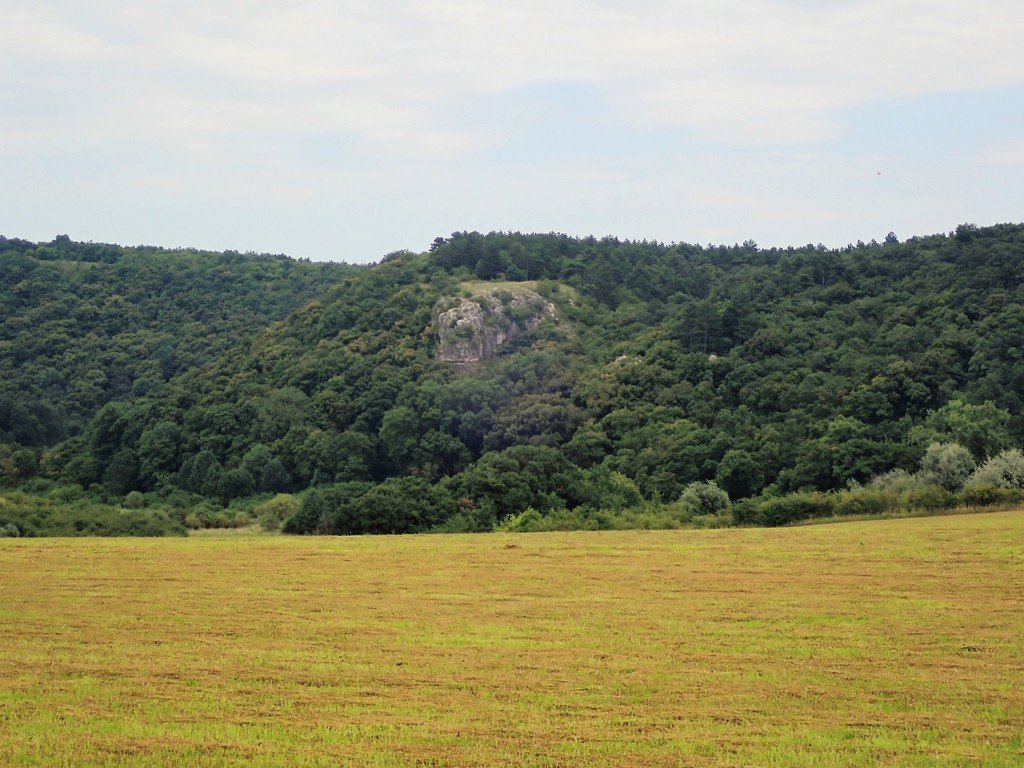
pixel 622 384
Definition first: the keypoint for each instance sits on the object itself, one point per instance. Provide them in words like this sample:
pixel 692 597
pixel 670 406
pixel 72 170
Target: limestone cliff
pixel 472 329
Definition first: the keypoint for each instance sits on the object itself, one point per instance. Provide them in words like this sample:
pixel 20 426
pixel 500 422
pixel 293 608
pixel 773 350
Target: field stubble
pixel 895 642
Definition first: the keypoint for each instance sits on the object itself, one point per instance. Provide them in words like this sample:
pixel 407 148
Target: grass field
pixel 897 642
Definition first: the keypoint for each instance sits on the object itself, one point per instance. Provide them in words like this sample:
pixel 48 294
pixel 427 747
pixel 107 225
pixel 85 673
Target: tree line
pixel 209 386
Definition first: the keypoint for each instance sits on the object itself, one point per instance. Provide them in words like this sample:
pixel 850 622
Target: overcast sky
pixel 345 130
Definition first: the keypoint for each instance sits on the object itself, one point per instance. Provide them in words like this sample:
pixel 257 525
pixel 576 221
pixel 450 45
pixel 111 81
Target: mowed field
pixel 896 642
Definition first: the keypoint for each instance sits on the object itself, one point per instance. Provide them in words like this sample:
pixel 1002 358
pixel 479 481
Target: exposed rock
pixel 472 329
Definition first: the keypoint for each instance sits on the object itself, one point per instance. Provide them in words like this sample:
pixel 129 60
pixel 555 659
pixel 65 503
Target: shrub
pixel 527 521
pixel 930 497
pixel 865 502
pixel 989 495
pixel 30 515
pixel 134 500
pixel 457 523
pixel 607 489
pixel 1004 470
pixel 273 512
pixel 897 481
pixel 747 512
pixel 794 507
pixel 947 465
pixel 67 493
pixel 399 505
pixel 704 499
pixel 325 509
pixel 588 519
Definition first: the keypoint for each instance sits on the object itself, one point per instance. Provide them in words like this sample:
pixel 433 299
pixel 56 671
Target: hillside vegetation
pixel 215 388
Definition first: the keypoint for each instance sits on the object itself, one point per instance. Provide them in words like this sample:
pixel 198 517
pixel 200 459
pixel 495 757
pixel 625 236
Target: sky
pixel 349 129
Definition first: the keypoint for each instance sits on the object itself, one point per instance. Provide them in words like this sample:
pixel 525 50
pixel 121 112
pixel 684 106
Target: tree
pixel 265 469
pixel 201 474
pixel 947 465
pixel 158 449
pixel 280 410
pixel 491 264
pixel 235 484
pixel 122 472
pixel 704 499
pixel 400 431
pixel 400 505
pixel 738 474
pixel 983 429
pixel 272 514
pixel 1004 470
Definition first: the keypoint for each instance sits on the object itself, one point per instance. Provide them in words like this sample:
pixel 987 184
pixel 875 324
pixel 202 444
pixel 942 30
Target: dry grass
pixel 894 642
pixel 518 287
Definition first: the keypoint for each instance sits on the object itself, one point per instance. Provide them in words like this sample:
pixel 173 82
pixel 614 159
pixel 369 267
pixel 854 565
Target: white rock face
pixel 470 330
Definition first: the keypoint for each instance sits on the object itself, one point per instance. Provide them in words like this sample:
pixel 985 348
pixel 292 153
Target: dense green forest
pixel 631 383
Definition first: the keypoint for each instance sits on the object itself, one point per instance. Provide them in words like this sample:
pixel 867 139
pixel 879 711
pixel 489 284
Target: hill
pixel 499 374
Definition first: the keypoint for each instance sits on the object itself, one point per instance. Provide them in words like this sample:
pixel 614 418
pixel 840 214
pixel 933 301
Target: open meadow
pixel 895 642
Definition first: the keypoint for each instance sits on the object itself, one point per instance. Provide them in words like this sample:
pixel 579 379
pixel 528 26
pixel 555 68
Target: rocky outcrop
pixel 472 329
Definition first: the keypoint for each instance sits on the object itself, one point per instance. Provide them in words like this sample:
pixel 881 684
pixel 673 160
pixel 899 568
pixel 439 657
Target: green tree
pixel 201 474
pixel 280 410
pixel 122 472
pixel 235 484
pixel 739 474
pixel 272 513
pixel 947 465
pixel 158 450
pixel 704 498
pixel 1004 470
pixel 983 429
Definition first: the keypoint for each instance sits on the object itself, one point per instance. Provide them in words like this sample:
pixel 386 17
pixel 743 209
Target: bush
pixel 588 519
pixel 865 502
pixel 67 494
pixel 327 509
pixel 747 512
pixel 397 505
pixel 794 507
pixel 28 515
pixel 704 499
pixel 38 485
pixel 947 465
pixel 527 521
pixel 898 481
pixel 931 498
pixel 989 495
pixel 1004 470
pixel 133 500
pixel 457 523
pixel 273 512
pixel 607 489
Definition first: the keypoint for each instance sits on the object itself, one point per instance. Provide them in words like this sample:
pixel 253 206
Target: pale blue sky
pixel 345 130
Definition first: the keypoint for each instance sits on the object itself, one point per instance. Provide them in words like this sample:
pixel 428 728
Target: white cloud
pixel 1009 155
pixel 358 104
pixel 749 71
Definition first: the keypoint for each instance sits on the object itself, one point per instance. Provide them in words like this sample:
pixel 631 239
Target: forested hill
pixel 498 373
pixel 84 324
